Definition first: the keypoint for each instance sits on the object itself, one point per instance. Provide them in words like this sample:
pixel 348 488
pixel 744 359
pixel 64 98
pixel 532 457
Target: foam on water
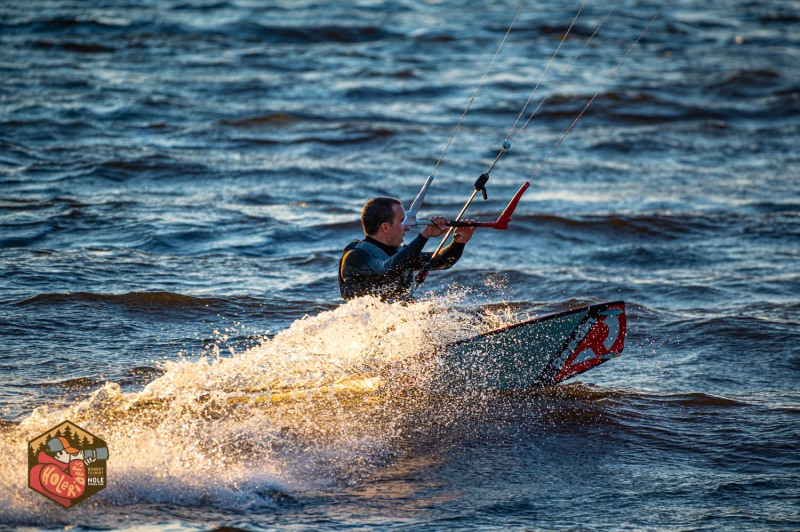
pixel 319 404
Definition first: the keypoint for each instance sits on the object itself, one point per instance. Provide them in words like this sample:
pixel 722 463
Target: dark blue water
pixel 177 181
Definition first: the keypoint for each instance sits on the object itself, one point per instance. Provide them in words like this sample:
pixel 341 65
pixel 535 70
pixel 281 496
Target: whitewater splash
pixel 319 404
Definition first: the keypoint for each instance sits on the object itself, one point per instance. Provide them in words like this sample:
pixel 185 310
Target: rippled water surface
pixel 177 181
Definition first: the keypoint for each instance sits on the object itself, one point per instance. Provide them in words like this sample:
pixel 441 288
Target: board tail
pixel 600 336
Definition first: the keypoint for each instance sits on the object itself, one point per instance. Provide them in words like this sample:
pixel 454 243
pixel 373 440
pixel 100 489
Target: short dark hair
pixel 378 211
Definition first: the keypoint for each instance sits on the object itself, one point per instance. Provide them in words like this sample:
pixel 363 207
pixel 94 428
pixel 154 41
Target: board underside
pixel 538 352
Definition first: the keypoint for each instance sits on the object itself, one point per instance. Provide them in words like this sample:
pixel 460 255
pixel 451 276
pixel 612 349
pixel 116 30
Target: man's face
pixel 397 231
pixel 62 456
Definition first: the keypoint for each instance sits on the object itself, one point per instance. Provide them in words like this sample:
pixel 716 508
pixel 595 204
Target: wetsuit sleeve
pixel 445 258
pixel 361 273
pixel 359 263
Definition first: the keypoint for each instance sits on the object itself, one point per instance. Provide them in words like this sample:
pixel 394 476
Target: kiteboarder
pixel 380 265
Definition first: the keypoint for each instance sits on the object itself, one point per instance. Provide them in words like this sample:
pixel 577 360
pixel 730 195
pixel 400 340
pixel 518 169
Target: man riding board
pixel 381 265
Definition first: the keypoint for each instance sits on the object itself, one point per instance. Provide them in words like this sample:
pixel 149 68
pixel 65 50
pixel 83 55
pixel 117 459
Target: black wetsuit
pixel 369 267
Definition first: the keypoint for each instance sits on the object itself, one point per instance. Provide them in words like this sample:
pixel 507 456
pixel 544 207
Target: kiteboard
pixel 539 352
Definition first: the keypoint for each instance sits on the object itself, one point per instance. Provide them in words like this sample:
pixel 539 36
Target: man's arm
pixel 450 255
pixel 446 257
pixel 360 263
pixel 68 485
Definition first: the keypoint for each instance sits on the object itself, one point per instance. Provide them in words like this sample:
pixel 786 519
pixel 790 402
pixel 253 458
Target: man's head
pixel 60 449
pixel 382 219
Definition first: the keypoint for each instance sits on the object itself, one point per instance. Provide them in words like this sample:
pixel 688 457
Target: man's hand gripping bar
pixel 500 224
